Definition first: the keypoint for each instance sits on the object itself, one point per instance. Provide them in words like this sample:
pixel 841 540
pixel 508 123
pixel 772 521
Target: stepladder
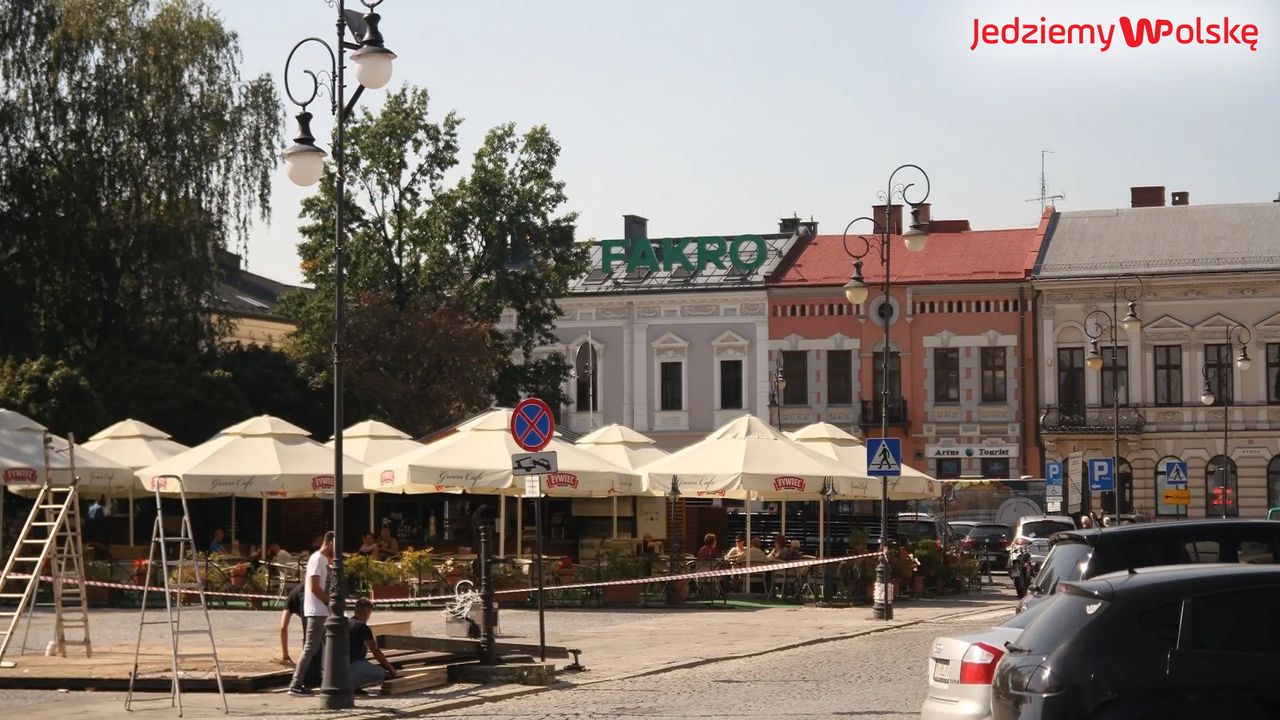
pixel 49 551
pixel 176 571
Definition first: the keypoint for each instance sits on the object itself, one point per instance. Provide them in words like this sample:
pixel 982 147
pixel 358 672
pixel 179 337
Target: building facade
pixel 669 336
pixel 960 325
pixel 1205 270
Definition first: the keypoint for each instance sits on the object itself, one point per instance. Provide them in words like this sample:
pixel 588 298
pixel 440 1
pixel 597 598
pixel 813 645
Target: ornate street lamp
pixel 304 164
pixel 855 291
pixel 779 386
pixel 1108 322
pixel 1236 334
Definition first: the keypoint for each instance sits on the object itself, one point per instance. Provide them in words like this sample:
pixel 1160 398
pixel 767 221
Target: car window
pixel 1217 622
pixel 1254 552
pixel 1199 551
pixel 916 528
pixel 1064 616
pixel 1066 562
pixel 1161 624
pixel 1044 528
pixel 982 532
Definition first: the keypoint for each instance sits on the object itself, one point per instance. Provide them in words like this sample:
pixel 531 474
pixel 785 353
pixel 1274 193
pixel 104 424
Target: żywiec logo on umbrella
pixel 388 477
pixel 562 480
pixel 160 483
pixel 322 482
pixel 788 482
pixel 19 476
pixel 707 493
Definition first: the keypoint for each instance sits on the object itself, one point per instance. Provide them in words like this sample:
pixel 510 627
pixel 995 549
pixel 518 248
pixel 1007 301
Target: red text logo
pixel 388 477
pixel 322 482
pixel 564 480
pixel 1135 32
pixel 19 476
pixel 788 483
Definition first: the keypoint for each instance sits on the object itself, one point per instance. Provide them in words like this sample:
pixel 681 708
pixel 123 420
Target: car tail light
pixel 970 543
pixel 978 665
pixel 1022 542
pixel 1004 542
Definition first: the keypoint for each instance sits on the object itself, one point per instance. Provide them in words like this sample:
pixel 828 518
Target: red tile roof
pixel 971 256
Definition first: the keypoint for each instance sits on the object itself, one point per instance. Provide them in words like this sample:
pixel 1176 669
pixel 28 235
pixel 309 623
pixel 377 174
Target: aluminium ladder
pixel 187 579
pixel 50 542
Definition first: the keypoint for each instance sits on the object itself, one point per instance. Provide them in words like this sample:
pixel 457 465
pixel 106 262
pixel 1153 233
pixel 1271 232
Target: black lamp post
pixel 1110 323
pixel 856 291
pixel 779 379
pixel 673 546
pixel 1236 334
pixel 828 574
pixel 304 164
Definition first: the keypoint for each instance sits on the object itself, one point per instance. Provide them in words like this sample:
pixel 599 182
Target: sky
pixel 719 117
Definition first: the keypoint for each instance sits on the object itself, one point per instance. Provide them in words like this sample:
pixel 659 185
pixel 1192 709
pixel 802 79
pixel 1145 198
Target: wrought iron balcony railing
pixel 1075 419
pixel 871 412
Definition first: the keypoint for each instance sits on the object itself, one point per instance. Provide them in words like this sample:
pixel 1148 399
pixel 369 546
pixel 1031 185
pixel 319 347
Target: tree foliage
pixel 133 150
pixel 434 263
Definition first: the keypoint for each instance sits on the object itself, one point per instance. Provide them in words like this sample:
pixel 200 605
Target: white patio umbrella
pixel 477 459
pixel 746 460
pixel 135 445
pixel 262 457
pixel 372 442
pixel 625 448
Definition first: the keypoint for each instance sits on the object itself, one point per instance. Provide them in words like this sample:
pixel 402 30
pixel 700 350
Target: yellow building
pixel 249 301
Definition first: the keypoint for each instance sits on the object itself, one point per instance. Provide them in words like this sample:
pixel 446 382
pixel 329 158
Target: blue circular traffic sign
pixel 532 426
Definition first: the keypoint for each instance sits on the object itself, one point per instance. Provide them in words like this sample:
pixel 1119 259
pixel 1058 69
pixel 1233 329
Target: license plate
pixel 993 558
pixel 940 668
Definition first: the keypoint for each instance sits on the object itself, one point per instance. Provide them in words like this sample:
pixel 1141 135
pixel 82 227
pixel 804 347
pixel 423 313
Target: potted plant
pixel 506 577
pixel 385 581
pixel 356 570
pixel 929 561
pixel 622 567
pixel 141 571
pixel 416 566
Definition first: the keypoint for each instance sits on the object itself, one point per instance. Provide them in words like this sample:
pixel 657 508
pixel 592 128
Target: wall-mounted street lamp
pixel 1107 323
pixel 1236 335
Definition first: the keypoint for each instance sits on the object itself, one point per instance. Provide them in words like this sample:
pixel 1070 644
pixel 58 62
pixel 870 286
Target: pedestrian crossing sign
pixel 884 457
pixel 1175 474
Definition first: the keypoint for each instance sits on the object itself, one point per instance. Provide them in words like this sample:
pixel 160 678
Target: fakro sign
pixel 744 252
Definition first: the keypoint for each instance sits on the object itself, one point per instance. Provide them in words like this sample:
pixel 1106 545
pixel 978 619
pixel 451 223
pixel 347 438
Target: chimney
pixel 809 227
pixel 635 227
pixel 1181 197
pixel 788 225
pixel 894 221
pixel 1148 196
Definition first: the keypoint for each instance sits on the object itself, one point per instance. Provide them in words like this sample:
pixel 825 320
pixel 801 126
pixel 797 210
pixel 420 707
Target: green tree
pixel 51 393
pixel 133 151
pixel 431 263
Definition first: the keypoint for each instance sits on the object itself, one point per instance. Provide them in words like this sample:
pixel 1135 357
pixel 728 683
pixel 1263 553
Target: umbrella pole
pixel 519 527
pixel 783 512
pixel 263 545
pixel 747 505
pixel 132 537
pixel 373 514
pixel 233 521
pixel 502 526
pixel 615 517
pixel 4 526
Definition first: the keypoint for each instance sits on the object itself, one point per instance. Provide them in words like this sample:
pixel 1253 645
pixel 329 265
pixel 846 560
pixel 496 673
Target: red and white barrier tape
pixel 698 575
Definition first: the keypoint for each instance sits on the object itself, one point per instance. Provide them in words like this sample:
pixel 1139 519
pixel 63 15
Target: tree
pixel 432 263
pixel 134 150
pixel 51 393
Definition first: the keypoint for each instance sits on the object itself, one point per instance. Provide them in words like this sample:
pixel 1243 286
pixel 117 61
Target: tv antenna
pixel 1045 198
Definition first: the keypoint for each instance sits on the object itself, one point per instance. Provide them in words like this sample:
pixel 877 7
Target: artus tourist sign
pixel 743 252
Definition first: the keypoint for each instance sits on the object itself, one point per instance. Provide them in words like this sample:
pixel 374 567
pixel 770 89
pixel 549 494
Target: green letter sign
pixel 744 253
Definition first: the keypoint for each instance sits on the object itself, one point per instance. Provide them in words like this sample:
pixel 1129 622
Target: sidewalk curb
pixel 451 705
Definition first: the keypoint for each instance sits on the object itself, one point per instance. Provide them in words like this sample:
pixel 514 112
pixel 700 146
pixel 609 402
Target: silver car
pixel 960 670
pixel 1033 533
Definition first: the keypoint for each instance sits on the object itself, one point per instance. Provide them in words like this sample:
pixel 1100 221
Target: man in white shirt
pixel 315 608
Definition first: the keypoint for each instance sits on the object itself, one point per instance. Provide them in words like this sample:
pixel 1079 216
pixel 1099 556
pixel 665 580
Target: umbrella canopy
pixel 849 452
pixel 622 446
pixel 134 444
pixel 260 457
pixel 373 442
pixel 22 460
pixel 477 459
pixel 746 460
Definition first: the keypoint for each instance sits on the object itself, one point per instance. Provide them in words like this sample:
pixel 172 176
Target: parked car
pixel 1083 554
pixel 1194 641
pixel 913 527
pixel 1030 546
pixel 961 528
pixel 960 670
pixel 989 544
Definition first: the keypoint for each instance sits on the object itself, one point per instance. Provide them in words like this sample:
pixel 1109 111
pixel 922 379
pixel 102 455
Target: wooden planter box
pixel 395 591
pixel 917 585
pixel 512 599
pixel 624 594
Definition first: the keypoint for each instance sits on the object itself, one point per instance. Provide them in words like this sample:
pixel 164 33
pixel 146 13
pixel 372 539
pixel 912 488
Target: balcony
pixel 897 413
pixel 1059 419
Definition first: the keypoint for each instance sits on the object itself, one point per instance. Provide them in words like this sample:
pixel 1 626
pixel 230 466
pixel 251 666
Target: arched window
pixel 585 370
pixel 1162 485
pixel 1273 482
pixel 1124 481
pixel 1220 488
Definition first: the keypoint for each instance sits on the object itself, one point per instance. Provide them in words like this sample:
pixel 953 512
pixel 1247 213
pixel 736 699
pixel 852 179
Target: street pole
pixel 673 544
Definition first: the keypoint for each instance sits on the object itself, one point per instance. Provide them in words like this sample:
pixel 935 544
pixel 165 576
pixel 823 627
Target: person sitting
pixel 362 642
pixel 708 550
pixel 277 555
pixel 779 545
pixel 739 550
pixel 388 546
pixel 784 550
pixel 756 553
pixel 219 542
pixel 369 546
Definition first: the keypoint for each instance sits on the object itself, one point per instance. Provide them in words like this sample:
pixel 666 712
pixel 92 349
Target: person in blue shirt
pixel 219 542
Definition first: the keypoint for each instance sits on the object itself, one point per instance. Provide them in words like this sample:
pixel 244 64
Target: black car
pixel 1083 554
pixel 988 543
pixel 1189 641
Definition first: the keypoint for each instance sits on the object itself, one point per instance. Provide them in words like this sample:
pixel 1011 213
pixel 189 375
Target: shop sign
pixel 971 451
pixel 743 252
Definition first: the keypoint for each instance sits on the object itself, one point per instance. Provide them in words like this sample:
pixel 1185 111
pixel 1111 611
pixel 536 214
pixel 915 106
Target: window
pixel 730 384
pixel 840 377
pixel 1161 486
pixel 584 370
pixel 1168 374
pixel 1115 374
pixel 1071 381
pixel 1273 482
pixel 1220 488
pixel 1215 622
pixel 1273 373
pixel 995 383
pixel 946 375
pixel 795 370
pixel 672 392
pixel 1217 362
pixel 895 379
pixel 948 469
pixel 995 468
